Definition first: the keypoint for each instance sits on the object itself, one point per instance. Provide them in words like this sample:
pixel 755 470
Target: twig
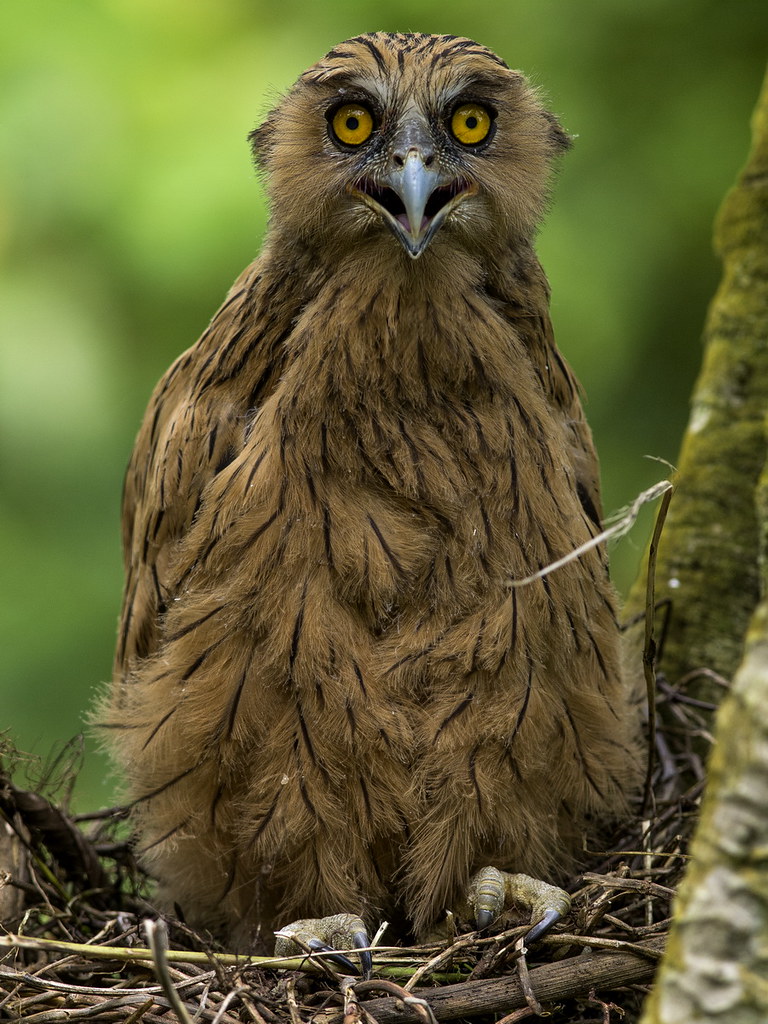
pixel 157 936
pixel 441 958
pixel 525 979
pixel 499 954
pixel 649 642
pixel 624 525
pixel 292 1001
pixel 595 942
pixel 421 1006
pixel 640 884
pixel 139 1012
pixel 48 985
pixel 517 1015
pixel 139 954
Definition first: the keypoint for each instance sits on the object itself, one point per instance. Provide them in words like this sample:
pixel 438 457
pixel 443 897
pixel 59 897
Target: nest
pixel 75 946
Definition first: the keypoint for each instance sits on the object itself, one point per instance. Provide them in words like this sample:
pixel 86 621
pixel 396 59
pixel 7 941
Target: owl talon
pixel 326 935
pixel 360 940
pixel 484 919
pixel 541 928
pixel 491 892
pixel 318 946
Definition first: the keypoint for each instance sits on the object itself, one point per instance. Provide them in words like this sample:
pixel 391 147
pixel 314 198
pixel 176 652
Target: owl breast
pixel 379 550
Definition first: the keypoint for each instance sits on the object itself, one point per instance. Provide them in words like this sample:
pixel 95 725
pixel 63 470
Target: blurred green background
pixel 128 204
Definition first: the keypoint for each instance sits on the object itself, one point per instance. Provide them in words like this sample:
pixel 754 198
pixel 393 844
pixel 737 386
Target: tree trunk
pixel 716 966
pixel 707 563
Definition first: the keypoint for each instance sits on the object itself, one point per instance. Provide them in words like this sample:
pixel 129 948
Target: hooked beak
pixel 413 200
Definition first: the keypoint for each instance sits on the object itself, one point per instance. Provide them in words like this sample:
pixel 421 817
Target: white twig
pixel 618 529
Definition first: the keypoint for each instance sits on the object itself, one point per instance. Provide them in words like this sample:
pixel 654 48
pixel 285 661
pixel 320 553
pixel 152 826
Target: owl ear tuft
pixel 558 137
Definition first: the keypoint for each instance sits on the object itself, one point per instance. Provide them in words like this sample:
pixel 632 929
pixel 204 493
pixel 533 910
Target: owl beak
pixel 414 199
pixel 414 183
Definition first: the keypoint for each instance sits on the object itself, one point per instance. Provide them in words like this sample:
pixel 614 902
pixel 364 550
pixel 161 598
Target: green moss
pixel 709 562
pixel 715 967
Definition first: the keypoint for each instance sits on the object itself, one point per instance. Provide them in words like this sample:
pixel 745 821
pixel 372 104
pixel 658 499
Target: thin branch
pixel 157 936
pixel 624 525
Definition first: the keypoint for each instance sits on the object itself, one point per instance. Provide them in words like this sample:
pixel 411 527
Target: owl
pixel 330 694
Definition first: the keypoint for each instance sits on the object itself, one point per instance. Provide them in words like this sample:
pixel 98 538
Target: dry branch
pixel 550 983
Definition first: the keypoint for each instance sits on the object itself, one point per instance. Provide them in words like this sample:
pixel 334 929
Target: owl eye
pixel 352 124
pixel 471 123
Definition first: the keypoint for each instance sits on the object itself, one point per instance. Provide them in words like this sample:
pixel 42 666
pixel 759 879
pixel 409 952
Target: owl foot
pixel 490 892
pixel 325 935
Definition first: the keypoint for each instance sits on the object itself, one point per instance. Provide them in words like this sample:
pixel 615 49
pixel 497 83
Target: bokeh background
pixel 128 204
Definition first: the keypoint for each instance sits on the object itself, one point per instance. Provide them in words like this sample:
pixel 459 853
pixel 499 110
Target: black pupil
pixel 352 123
pixel 471 121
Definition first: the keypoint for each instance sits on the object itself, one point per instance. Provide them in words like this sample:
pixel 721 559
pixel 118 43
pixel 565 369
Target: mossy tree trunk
pixel 707 562
pixel 716 965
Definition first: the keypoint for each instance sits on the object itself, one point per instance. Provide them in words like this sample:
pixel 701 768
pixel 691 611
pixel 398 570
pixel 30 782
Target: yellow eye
pixel 470 123
pixel 352 124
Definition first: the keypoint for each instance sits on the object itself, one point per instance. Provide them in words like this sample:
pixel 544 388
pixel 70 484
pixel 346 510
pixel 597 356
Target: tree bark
pixel 707 562
pixel 716 965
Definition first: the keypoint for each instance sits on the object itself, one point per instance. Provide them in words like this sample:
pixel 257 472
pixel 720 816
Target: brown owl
pixel 328 697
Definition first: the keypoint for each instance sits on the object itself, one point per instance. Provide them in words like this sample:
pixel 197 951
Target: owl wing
pixel 524 300
pixel 196 424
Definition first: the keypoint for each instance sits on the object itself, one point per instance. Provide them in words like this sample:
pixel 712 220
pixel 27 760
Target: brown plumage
pixel 327 697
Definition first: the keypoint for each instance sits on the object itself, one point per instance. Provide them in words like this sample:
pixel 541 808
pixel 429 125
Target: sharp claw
pixel 360 940
pixel 542 927
pixel 483 919
pixel 318 946
pixel 326 935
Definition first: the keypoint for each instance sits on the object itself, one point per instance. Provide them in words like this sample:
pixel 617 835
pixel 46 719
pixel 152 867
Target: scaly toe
pixel 547 903
pixel 491 892
pixel 486 896
pixel 326 935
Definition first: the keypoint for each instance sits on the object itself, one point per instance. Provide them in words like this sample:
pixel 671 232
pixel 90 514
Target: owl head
pixel 408 144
